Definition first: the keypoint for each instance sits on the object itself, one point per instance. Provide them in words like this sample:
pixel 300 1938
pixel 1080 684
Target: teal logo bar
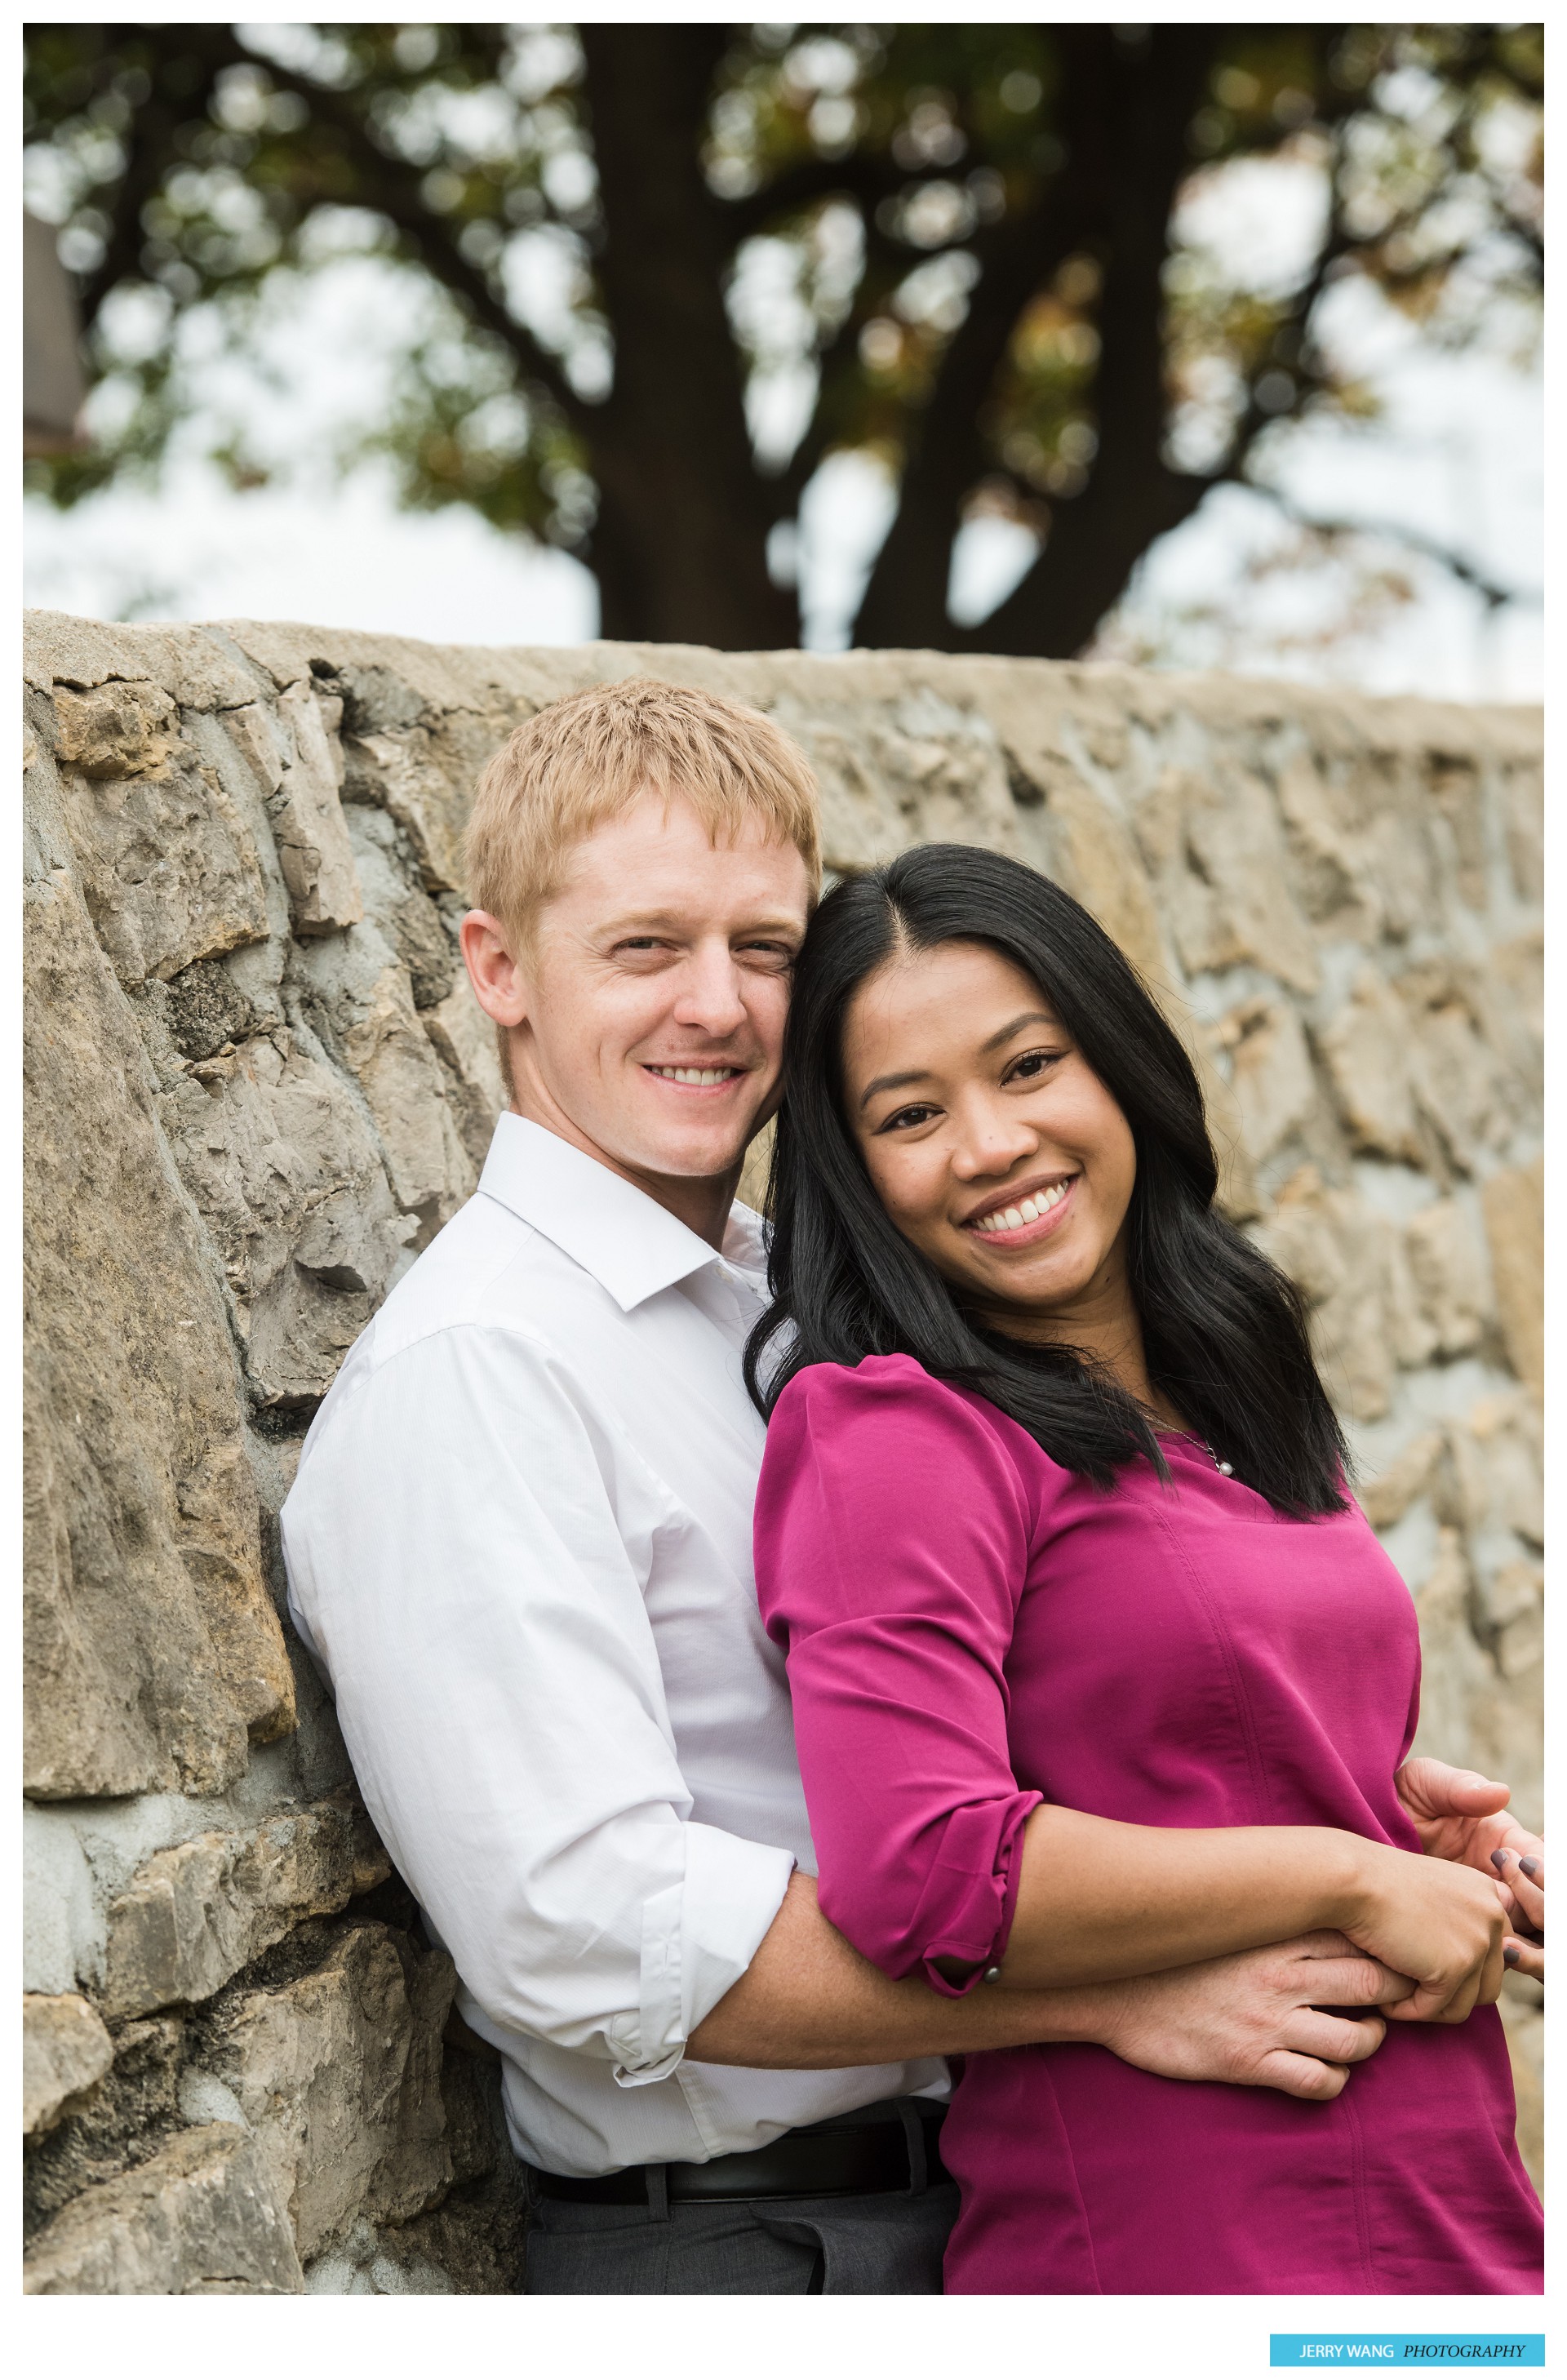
pixel 1409 2350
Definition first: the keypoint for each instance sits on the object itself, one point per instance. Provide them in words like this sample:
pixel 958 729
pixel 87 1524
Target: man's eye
pixel 769 954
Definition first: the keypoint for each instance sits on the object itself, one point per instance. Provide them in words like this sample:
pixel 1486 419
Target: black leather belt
pixel 811 2162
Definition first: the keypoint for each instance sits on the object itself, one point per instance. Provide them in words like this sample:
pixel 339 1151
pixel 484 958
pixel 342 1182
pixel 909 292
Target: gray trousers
pixel 879 2245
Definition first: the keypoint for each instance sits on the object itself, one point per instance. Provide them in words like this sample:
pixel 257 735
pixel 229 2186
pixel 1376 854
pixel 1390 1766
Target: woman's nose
pixel 990 1143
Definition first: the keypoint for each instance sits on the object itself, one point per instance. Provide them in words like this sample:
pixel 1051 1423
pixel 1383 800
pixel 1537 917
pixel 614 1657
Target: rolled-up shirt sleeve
pixel 892 1544
pixel 462 1567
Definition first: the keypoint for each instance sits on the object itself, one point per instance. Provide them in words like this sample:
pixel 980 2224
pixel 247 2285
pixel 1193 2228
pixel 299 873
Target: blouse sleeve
pixel 892 1543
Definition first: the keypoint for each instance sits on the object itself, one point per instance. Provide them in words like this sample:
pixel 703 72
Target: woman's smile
pixel 1021 1215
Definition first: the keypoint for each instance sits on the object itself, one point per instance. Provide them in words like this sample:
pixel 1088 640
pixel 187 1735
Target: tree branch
pixel 391 188
pixel 857 176
pixel 1132 115
pixel 149 151
pixel 1416 540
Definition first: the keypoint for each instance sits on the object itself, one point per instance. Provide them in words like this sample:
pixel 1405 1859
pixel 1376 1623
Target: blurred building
pixel 54 385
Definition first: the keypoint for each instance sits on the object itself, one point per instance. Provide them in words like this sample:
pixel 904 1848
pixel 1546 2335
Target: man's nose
pixel 710 993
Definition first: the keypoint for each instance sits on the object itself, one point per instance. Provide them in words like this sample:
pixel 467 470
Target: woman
pixel 1096 1666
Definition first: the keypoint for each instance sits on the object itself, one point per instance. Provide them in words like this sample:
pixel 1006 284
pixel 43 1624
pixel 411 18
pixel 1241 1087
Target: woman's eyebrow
pixel 922 1074
pixel 1029 1016
pixel 893 1083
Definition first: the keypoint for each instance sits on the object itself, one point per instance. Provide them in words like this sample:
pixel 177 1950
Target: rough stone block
pixel 1337 1250
pixel 1086 847
pixel 1388 1496
pixel 197 666
pixel 400 772
pixel 1506 995
pixel 1447 1262
pixel 1512 1618
pixel 1523 811
pixel 1327 862
pixel 398 905
pixel 1461 1091
pixel 1498 1469
pixel 1513 1204
pixel 378 2150
pixel 307 816
pixel 207 1011
pixel 917 768
pixel 170 871
pixel 465 1041
pixel 1366 1047
pixel 364 990
pixel 122 730
pixel 1216 851
pixel 279 1156
pixel 66 2054
pixel 199 2218
pixel 1273 1082
pixel 196 1913
pixel 152 1652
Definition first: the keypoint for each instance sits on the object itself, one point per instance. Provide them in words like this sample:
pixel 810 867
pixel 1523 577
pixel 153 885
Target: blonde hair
pixel 585 760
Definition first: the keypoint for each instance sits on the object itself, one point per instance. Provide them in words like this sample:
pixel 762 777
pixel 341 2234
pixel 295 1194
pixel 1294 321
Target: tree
pixel 626 249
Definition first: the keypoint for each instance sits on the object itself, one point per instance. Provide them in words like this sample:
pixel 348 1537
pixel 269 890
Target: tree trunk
pixel 1124 116
pixel 680 545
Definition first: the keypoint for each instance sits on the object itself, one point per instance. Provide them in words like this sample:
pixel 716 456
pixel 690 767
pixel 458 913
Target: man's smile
pixel 697 1078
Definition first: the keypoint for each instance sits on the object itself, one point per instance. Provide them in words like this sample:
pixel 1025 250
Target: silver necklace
pixel 1225 1470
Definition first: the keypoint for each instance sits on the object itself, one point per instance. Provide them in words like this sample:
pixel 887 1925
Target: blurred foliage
pixel 921 242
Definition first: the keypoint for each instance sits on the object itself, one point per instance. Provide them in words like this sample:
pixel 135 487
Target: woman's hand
pixel 1441 1923
pixel 1463 1816
pixel 1524 1881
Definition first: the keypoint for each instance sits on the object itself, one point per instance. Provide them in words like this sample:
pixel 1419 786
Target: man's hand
pixel 1461 1815
pixel 1258 2017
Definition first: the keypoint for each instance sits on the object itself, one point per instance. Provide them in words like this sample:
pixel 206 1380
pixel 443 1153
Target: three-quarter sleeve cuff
pixel 699 1937
pixel 972 1895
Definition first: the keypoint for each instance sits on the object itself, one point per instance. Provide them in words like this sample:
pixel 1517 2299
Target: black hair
pixel 1224 1329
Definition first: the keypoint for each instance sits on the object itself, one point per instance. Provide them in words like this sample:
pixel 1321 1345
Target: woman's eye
pixel 906 1117
pixel 1033 1063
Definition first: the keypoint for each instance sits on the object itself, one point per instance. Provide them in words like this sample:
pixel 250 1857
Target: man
pixel 519 1546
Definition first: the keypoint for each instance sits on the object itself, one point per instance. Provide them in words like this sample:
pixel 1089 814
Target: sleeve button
pixel 992 1975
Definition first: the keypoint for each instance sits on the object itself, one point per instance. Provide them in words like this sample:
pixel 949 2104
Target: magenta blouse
pixel 972 1629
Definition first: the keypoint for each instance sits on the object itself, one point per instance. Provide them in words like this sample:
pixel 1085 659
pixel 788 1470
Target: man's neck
pixel 701 1203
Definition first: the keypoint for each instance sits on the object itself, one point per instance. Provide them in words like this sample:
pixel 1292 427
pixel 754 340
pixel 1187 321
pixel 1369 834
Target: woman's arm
pixel 1260 2018
pixel 894 1529
pixel 1097 1898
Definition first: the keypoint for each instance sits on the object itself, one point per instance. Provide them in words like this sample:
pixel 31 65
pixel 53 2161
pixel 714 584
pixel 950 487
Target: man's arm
pixel 466 1578
pixel 808 1999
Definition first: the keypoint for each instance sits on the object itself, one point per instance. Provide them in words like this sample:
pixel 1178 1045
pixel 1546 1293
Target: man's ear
pixel 500 985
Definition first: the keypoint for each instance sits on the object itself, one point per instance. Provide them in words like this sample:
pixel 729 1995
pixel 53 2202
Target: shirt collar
pixel 630 1244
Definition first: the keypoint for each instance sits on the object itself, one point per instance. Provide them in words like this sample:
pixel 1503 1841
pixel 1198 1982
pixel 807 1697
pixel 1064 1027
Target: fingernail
pixel 1510 1955
pixel 1530 1867
pixel 1498 1861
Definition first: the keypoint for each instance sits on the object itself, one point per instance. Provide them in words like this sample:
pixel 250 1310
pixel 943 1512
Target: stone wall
pixel 257 1085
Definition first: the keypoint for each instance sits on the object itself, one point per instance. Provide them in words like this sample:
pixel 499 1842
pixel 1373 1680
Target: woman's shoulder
pixel 870 1385
pixel 895 1396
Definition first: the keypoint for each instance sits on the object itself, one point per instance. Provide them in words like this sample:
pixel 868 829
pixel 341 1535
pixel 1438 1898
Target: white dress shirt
pixel 519 1548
